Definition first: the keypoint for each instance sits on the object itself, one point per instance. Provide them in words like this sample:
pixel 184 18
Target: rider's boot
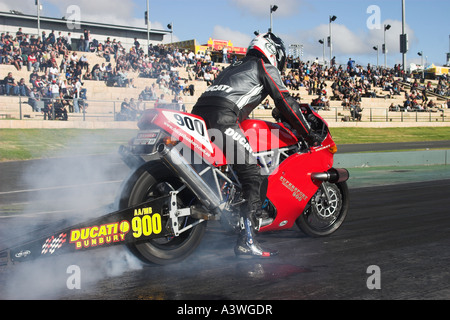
pixel 247 246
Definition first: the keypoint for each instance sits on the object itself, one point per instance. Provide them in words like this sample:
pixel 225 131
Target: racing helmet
pixel 270 47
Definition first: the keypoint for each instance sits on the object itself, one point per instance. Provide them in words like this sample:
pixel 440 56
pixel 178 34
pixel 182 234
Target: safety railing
pixel 111 110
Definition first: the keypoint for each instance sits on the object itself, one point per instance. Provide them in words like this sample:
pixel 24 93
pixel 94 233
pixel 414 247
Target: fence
pixel 111 110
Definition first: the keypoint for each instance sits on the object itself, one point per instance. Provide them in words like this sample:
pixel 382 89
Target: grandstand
pixel 105 102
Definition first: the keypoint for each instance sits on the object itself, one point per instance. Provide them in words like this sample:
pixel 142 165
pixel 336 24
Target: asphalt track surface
pixel 392 246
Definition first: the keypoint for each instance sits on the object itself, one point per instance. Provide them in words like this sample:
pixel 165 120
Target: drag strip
pixel 399 234
pixel 393 245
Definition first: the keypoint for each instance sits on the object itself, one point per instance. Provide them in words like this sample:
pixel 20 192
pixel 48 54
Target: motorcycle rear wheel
pixel 322 218
pixel 154 180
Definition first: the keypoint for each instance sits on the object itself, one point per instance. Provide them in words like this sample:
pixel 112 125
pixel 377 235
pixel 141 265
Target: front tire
pixel 322 218
pixel 151 181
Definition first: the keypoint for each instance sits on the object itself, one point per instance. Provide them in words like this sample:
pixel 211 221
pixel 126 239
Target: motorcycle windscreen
pixel 291 187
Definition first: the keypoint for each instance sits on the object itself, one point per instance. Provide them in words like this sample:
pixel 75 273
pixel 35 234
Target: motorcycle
pixel 180 179
pixel 174 157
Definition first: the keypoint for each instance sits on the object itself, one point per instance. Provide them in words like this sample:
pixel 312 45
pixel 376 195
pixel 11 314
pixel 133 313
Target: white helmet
pixel 271 47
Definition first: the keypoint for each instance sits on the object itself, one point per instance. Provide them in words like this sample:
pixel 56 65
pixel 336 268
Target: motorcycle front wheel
pixel 323 217
pixel 151 181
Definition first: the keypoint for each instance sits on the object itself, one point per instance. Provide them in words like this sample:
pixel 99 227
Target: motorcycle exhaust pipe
pixel 190 177
pixel 333 175
pixel 131 160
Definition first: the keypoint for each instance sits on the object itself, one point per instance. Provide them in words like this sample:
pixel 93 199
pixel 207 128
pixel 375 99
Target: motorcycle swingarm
pixel 142 222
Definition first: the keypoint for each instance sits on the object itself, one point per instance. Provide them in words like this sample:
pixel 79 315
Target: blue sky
pixel 296 21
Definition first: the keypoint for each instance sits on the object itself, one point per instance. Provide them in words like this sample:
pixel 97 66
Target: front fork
pixel 325 192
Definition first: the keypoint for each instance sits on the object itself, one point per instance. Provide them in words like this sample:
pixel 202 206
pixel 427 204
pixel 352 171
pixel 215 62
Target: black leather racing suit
pixel 238 90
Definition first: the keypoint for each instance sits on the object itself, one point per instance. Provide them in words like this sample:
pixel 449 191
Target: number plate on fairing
pixel 188 124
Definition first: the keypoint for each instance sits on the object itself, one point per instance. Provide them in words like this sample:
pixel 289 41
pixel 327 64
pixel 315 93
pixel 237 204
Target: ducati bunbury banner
pixel 138 223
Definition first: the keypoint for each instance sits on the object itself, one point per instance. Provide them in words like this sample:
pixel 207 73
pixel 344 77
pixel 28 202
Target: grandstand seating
pixel 104 101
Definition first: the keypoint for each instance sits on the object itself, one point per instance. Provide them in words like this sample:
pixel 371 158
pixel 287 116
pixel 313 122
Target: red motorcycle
pixel 180 179
pixel 176 161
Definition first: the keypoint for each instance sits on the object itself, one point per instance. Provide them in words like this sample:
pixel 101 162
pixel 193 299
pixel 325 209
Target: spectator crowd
pixel 351 82
pixel 56 85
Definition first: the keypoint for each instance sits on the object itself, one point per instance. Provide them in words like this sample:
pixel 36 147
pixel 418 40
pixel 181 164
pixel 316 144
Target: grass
pixel 386 135
pixel 26 144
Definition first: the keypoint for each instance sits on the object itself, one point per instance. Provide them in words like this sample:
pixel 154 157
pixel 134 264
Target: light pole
pixel 330 40
pixel 421 62
pixel 273 8
pixel 38 4
pixel 170 26
pixel 377 49
pixel 386 27
pixel 404 37
pixel 322 42
pixel 147 22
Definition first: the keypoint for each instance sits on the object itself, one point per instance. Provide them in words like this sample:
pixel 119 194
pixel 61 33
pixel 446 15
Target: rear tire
pixel 154 180
pixel 321 219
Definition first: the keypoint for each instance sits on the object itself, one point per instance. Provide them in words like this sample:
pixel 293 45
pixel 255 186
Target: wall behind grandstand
pixel 10 22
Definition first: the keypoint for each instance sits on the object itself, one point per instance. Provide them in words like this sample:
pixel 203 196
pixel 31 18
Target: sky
pixel 358 28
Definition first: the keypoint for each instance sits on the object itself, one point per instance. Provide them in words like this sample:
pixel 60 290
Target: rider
pixel 238 90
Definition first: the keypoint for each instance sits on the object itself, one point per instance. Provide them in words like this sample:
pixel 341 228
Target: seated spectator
pixel 393 108
pixel 74 59
pixel 207 76
pixel 88 75
pixel 33 62
pixel 356 112
pixel 83 62
pixel 174 85
pixel 53 72
pixel 123 80
pixel 34 100
pixel 60 110
pixel 10 85
pixel 161 102
pixel 148 93
pixel 180 104
pixel 17 59
pixel 54 89
pixel 22 88
pixel 266 104
pixel 126 112
pixel 407 105
pixel 321 102
pixel 431 104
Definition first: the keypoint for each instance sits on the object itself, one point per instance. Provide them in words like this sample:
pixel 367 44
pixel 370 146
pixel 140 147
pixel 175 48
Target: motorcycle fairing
pixel 187 128
pixel 265 136
pixel 291 186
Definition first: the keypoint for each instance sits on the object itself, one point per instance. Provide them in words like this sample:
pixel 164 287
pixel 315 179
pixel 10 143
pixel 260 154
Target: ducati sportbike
pixel 180 179
pixel 181 171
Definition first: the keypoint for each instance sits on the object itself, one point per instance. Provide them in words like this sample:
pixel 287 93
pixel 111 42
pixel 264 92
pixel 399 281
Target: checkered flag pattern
pixel 51 244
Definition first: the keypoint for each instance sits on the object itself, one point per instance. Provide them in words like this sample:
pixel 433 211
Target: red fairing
pixel 264 136
pixel 291 187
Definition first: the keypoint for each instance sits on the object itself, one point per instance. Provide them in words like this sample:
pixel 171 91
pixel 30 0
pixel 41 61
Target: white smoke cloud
pixel 68 190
